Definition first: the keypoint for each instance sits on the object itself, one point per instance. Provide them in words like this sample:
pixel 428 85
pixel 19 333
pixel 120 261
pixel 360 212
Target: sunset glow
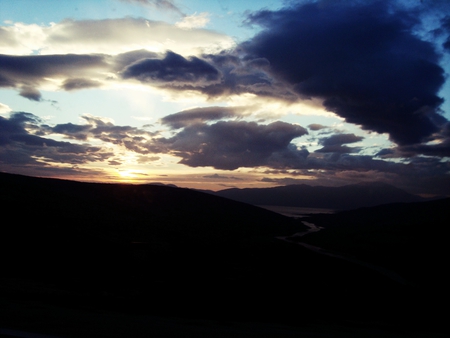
pixel 227 93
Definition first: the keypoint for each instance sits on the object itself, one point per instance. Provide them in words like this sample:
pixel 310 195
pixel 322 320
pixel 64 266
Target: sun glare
pixel 129 176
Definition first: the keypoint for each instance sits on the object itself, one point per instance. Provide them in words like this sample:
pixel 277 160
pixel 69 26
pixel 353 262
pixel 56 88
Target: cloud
pixel 334 143
pixel 122 60
pixel 25 140
pixel 441 149
pixel 21 38
pixel 222 177
pixel 79 83
pixel 337 148
pixel 108 36
pixel 21 144
pixel 31 93
pixel 437 147
pixel 339 139
pixel 193 21
pixel 4 108
pixel 316 126
pixel 215 75
pixel 232 144
pixel 446 29
pixel 131 138
pixel 363 59
pixel 159 4
pixel 118 50
pixel 173 69
pixel 38 66
pixel 31 72
pixel 25 143
pixel 198 115
pixel 241 74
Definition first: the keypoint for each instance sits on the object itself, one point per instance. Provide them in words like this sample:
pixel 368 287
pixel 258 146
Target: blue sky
pixel 216 94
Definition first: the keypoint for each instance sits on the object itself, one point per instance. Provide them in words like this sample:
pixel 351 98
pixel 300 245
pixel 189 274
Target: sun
pixel 128 176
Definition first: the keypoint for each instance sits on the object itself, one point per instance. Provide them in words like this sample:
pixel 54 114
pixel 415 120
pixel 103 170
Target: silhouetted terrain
pixel 340 198
pixel 115 259
pixel 408 238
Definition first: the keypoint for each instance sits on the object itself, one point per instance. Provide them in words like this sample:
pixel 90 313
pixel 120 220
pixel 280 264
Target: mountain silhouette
pixel 340 198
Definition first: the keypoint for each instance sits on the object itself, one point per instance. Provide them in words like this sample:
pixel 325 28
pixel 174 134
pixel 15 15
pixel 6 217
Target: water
pixel 296 211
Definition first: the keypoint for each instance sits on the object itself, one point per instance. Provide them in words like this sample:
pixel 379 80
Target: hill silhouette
pixel 408 238
pixel 119 252
pixel 340 198
pixel 87 222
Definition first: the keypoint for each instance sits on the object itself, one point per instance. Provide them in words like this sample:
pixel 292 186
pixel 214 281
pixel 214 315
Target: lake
pixel 296 211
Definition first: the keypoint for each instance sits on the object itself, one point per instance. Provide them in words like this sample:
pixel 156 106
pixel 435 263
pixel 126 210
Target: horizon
pixel 168 184
pixel 227 94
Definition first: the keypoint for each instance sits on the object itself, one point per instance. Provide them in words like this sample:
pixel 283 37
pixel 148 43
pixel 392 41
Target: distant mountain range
pixel 346 197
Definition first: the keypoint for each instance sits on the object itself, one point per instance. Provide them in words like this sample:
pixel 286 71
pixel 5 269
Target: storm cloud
pixel 335 143
pixel 172 68
pixel 132 138
pixel 363 59
pixel 198 115
pixel 20 143
pixel 79 83
pixel 30 72
pixel 233 144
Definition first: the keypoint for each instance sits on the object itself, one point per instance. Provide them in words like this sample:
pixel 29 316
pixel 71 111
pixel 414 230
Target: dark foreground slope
pixel 407 238
pixel 71 228
pixel 408 241
pixel 126 260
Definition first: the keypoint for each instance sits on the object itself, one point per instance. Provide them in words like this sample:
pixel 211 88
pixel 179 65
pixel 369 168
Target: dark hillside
pixel 147 250
pixel 407 238
pixel 47 219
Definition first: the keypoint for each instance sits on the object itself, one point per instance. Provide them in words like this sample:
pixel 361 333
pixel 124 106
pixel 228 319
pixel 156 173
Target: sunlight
pixel 129 176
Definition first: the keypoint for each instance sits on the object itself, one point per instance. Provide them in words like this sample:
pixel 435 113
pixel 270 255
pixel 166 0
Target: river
pixel 313 228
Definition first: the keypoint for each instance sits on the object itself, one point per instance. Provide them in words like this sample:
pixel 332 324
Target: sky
pixel 227 93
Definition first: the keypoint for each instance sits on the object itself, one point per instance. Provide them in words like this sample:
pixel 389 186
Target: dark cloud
pixel 240 74
pixel 31 94
pixel 214 75
pixel 18 145
pixel 142 159
pixel 173 68
pixel 79 83
pixel 132 138
pixel 334 143
pixel 363 59
pixel 223 145
pixel 123 60
pixel 114 162
pixel 316 126
pixel 442 33
pixel 233 144
pixel 70 130
pixel 222 177
pixel 385 153
pixel 198 115
pixel 36 67
pixel 436 150
pixel 337 148
pixel 29 72
pixel 438 147
pixel 339 139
